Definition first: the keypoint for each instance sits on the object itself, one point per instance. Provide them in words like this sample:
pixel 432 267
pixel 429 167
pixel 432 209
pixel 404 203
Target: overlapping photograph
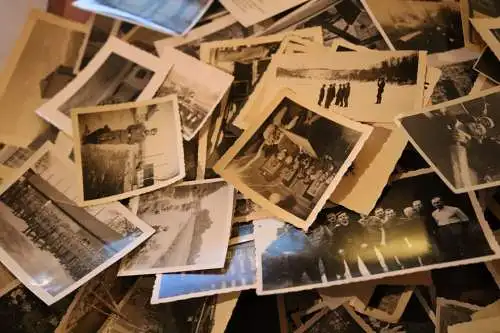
pixel 489 29
pixel 118 73
pixel 419 224
pixel 284 163
pixel 192 222
pixel 51 245
pixel 127 149
pixel 461 140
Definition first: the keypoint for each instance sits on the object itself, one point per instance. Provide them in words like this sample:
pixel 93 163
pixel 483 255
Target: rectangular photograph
pixel 127 149
pixel 192 222
pixel 450 312
pixel 245 210
pixel 489 29
pixel 388 303
pixel 41 62
pixel 51 245
pixel 283 162
pixel 435 26
pixel 341 320
pixel 418 225
pixel 488 65
pixel 476 9
pixel 460 140
pixel 118 73
pixel 199 88
pixel 237 274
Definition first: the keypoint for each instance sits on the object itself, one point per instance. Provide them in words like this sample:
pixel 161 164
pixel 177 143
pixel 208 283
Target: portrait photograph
pixel 118 73
pixel 418 224
pixel 49 243
pixel 192 221
pixel 435 26
pixel 460 140
pixel 199 88
pixel 283 162
pixel 237 274
pixel 489 29
pixel 127 149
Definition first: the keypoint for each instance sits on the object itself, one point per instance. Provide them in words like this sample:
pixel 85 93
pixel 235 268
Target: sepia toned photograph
pixel 245 210
pixel 137 314
pixel 451 312
pixel 457 74
pixel 418 225
pixel 127 149
pixel 368 87
pixel 435 26
pixel 488 65
pixel 388 302
pixel 237 274
pixel 461 140
pixel 192 221
pixel 9 281
pixel 118 73
pixel 191 162
pixel 199 88
pixel 283 162
pixel 489 29
pixel 41 63
pixel 51 245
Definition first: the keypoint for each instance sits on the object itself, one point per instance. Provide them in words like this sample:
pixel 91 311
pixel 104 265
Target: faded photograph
pixel 136 314
pixel 199 88
pixel 287 161
pixel 56 246
pixel 192 223
pixel 417 223
pixel 237 274
pixel 128 148
pixel 435 26
pixel 451 312
pixel 489 8
pixel 460 140
pixel 489 65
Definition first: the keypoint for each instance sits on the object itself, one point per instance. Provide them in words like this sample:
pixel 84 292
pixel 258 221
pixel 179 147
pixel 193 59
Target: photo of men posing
pixel 417 223
pixel 327 95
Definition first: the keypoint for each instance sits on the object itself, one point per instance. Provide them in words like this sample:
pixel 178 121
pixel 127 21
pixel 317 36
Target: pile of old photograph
pixel 291 166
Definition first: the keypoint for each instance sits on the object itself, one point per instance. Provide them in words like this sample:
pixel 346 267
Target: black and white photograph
pixel 136 314
pixel 48 44
pixel 191 163
pixel 461 140
pixel 451 312
pixel 9 281
pixel 237 274
pixel 283 163
pixel 245 210
pixel 241 232
pixel 368 87
pixel 342 320
pixel 435 26
pixel 192 221
pixel 488 8
pixel 388 302
pixel 489 29
pixel 418 225
pixel 51 245
pixel 199 88
pixel 489 65
pixel 118 73
pixel 127 149
pixel 457 74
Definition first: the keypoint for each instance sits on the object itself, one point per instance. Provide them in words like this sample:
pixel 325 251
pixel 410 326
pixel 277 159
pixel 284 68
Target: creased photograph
pixel 51 245
pixel 460 140
pixel 199 88
pixel 417 225
pixel 283 162
pixel 237 274
pixel 118 73
pixel 127 149
pixel 192 221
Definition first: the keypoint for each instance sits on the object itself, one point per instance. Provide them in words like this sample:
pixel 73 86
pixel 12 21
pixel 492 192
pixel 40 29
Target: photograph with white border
pixel 417 225
pixel 118 73
pixel 489 29
pixel 237 274
pixel 450 312
pixel 123 150
pixel 460 140
pixel 51 245
pixel 199 88
pixel 193 224
pixel 283 162
pixel 388 302
pixel 488 65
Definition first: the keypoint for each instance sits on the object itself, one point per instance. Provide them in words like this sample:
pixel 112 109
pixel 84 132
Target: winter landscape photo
pixel 129 148
pixel 190 220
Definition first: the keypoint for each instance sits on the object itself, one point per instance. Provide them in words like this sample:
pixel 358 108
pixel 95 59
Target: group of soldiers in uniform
pixel 328 94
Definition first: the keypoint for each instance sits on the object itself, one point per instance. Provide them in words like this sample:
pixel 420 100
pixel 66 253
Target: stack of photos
pixel 417 225
pixel 237 274
pixel 51 245
pixel 127 149
pixel 451 312
pixel 245 210
pixel 476 9
pixel 190 221
pixel 188 79
pixel 435 26
pixel 283 162
pixel 388 303
pixel 489 29
pixel 126 72
pixel 489 65
pixel 461 141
